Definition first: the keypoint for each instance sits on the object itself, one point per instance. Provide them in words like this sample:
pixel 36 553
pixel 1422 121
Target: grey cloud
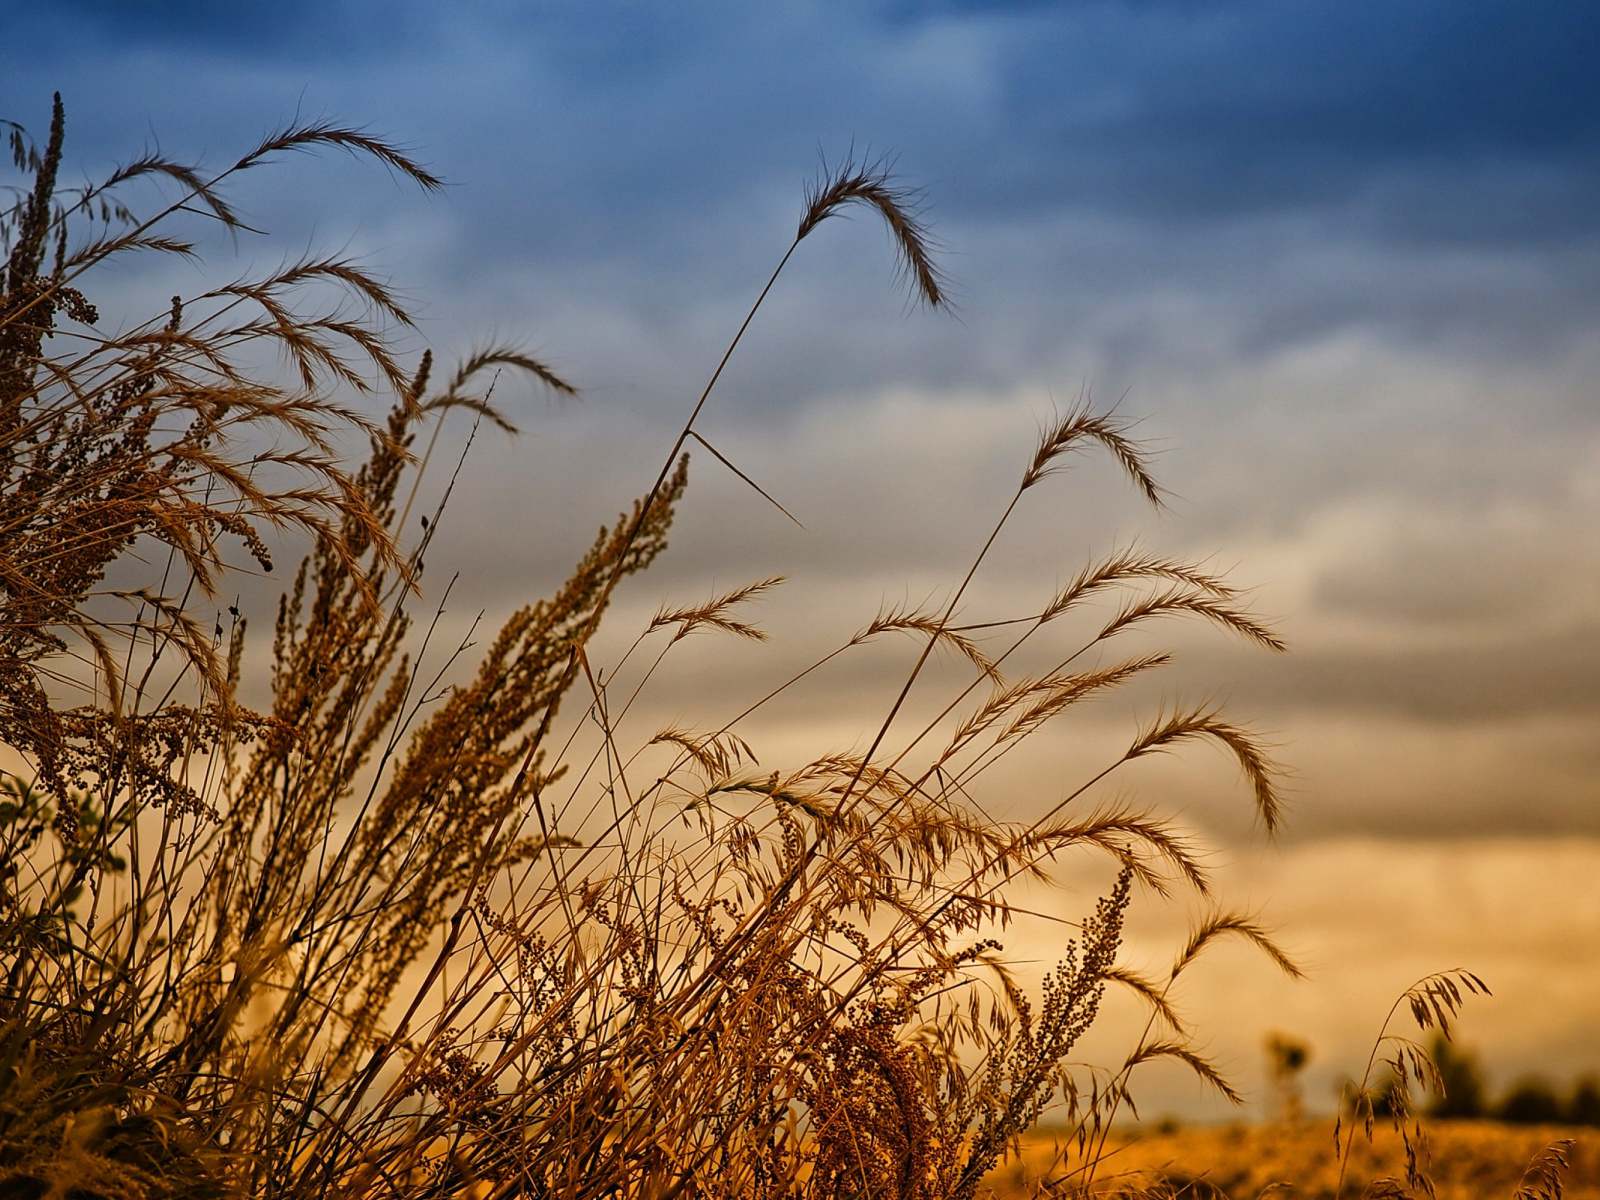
pixel 1542 674
pixel 1460 579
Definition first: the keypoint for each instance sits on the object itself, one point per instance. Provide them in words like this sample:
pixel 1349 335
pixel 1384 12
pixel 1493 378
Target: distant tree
pixel 1460 1092
pixel 1584 1107
pixel 1286 1060
pixel 1531 1102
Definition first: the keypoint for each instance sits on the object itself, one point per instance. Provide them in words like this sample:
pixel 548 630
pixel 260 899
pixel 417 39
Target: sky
pixel 1340 261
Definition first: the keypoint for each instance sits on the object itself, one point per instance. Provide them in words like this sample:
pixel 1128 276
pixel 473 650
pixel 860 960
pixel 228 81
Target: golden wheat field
pixel 1468 1160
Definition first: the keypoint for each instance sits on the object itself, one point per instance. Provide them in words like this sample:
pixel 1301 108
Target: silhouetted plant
pixel 1433 1002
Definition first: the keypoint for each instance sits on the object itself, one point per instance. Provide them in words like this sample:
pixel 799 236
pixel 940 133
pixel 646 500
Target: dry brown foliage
pixel 390 938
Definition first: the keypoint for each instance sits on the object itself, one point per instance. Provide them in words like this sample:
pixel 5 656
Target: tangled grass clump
pixel 500 941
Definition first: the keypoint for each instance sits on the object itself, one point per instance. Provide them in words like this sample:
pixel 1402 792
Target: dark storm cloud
pixel 1253 107
pixel 648 158
pixel 1439 120
pixel 1425 172
pixel 285 29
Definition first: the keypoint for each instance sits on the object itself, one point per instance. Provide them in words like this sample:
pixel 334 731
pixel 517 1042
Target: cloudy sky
pixel 1340 260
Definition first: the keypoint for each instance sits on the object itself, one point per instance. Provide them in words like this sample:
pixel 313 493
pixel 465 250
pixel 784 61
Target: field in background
pixel 1469 1160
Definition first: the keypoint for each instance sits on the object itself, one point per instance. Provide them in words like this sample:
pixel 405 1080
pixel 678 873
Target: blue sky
pixel 577 131
pixel 1440 123
pixel 1342 257
pixel 1184 109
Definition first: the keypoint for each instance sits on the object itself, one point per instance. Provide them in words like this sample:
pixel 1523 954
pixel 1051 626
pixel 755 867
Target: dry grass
pixel 392 938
